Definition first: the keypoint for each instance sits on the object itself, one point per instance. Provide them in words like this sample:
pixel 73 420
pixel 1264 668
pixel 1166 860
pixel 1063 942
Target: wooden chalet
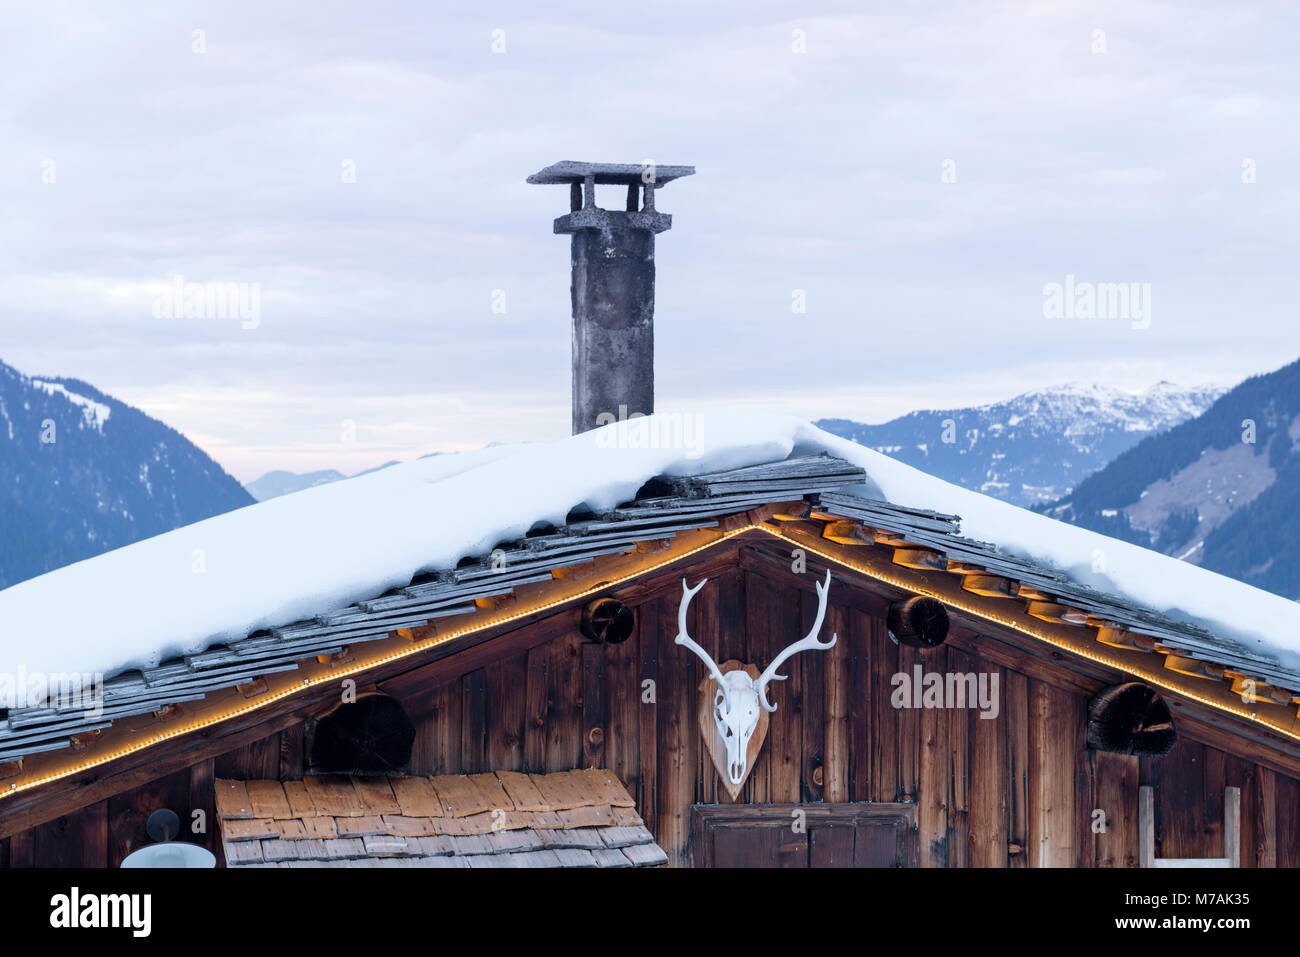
pixel 532 707
pixel 517 661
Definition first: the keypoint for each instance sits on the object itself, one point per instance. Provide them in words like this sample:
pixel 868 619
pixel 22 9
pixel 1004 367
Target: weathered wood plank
pixel 257 760
pixel 459 796
pixel 376 795
pixel 676 763
pixel 623 707
pixel 473 722
pixel 1116 777
pixel 538 708
pixel 709 632
pixel 594 715
pixel 1052 793
pixel 1264 819
pixel 785 728
pixel 809 752
pixel 505 682
pixel 861 631
pixel 232 800
pixel 836 711
pixel 564 727
pixel 759 647
pixel 831 847
pixel 988 779
pixel 1017 725
pixel 334 795
pixel 1085 788
pixel 268 800
pixel 441 751
pixel 879 737
pixel 910 729
pixel 647 638
pixel 1214 781
pixel 958 720
pixel 293 759
pixel 1178 781
pixel 934 784
pixel 1288 820
pixel 416 797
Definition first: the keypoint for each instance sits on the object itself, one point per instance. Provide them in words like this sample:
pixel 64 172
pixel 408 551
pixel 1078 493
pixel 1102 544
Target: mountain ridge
pixel 82 472
pixel 1221 490
pixel 1034 447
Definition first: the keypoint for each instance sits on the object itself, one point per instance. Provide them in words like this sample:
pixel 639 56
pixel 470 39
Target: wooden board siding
pixel 1017 790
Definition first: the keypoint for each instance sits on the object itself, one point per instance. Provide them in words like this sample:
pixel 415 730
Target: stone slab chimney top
pixel 612 285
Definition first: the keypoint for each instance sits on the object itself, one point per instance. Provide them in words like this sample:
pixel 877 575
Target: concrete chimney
pixel 612 286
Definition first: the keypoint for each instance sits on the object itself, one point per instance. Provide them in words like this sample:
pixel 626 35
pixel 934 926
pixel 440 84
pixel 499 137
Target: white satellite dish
pixel 168 853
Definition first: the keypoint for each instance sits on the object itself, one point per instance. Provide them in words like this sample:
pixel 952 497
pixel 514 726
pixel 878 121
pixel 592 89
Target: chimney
pixel 613 286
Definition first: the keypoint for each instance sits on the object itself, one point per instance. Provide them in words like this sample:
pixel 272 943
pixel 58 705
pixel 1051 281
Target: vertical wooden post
pixel 593 705
pixel 1146 826
pixel 647 796
pixel 1232 826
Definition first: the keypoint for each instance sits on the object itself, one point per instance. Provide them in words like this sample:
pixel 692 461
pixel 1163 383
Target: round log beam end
pixel 1130 718
pixel 607 621
pixel 372 735
pixel 919 621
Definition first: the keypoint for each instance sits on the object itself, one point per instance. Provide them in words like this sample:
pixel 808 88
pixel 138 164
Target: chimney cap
pixel 569 171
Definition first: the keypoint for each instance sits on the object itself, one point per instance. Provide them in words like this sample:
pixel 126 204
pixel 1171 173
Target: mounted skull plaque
pixel 740 699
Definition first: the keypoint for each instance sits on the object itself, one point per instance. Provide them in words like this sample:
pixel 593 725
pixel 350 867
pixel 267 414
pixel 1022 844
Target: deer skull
pixel 738 698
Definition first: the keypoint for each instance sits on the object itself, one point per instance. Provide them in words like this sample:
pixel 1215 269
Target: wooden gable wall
pixel 1014 791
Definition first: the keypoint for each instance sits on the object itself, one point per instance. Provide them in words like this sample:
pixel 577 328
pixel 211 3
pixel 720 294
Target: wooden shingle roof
pixel 675 505
pixel 810 489
pixel 579 818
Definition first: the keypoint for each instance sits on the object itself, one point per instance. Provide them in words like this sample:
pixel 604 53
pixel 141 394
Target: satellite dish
pixel 168 853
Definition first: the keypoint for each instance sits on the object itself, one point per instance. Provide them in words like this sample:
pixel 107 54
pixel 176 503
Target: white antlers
pixel 683 638
pixel 808 643
pixel 738 698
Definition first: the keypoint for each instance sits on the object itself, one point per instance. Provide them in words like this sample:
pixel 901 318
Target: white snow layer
pixel 322 548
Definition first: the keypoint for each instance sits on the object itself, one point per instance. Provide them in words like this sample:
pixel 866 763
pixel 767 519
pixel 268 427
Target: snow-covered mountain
pixel 82 473
pixel 277 483
pixel 1221 490
pixel 1036 447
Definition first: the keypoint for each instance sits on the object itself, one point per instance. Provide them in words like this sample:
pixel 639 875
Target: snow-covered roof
pixel 294 557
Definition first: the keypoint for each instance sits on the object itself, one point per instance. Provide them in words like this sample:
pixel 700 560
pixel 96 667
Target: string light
pixel 412 648
pixel 434 641
pixel 1158 680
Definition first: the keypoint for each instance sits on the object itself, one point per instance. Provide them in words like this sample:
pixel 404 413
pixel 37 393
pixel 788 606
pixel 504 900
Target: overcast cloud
pixel 820 171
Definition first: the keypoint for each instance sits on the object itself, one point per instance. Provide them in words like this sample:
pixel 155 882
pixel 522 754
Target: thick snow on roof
pixel 320 549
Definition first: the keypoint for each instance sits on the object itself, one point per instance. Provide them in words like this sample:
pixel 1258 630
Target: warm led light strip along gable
pixel 434 641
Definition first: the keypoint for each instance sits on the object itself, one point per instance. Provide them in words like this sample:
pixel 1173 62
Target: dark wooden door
pixel 758 847
pixel 803 835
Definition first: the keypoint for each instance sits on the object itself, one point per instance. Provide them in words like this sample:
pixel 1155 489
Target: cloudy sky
pixel 919 171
